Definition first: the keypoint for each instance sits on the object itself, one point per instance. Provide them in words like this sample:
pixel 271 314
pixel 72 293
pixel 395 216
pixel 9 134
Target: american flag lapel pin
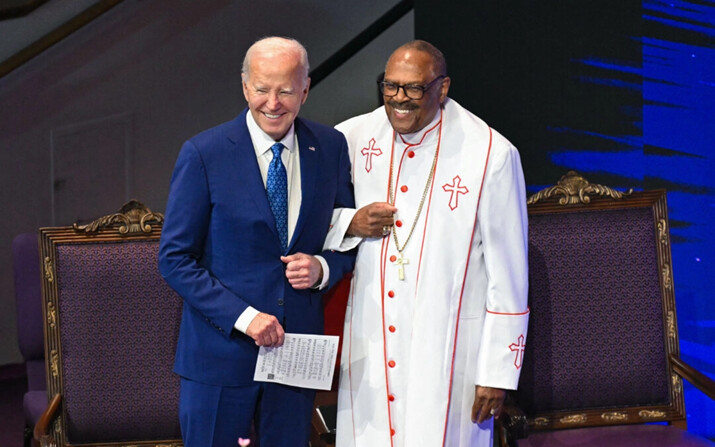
pixel 311 148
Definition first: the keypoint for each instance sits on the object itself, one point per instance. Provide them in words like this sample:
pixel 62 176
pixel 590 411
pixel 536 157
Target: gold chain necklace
pixel 401 260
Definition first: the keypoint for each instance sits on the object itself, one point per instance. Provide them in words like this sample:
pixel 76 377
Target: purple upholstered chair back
pixel 597 335
pixel 602 323
pixel 113 325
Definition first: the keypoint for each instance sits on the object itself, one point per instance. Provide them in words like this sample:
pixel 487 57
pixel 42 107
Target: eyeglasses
pixel 412 91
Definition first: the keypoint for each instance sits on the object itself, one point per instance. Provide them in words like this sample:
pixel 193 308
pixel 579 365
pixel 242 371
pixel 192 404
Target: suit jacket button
pixel 280 302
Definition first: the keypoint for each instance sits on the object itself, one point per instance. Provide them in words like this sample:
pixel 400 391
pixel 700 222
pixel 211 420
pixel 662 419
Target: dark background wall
pixel 621 91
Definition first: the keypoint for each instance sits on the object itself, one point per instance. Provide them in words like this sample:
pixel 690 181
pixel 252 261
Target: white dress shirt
pixel 289 156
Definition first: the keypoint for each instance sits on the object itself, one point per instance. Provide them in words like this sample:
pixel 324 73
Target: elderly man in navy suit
pixel 249 207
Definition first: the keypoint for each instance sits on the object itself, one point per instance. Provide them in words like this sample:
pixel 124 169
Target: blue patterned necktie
pixel 277 189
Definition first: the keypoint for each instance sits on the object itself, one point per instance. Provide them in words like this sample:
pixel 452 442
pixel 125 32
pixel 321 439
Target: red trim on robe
pixel 507 313
pixel 461 293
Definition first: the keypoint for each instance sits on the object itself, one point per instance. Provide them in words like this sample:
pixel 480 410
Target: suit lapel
pixel 308 150
pixel 248 172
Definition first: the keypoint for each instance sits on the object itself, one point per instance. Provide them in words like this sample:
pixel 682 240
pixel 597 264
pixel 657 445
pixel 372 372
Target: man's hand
pixel 372 219
pixel 266 331
pixel 487 400
pixel 302 270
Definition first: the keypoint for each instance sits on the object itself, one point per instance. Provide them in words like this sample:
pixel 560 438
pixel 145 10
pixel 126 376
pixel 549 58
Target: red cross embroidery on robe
pixel 368 152
pixel 455 189
pixel 518 347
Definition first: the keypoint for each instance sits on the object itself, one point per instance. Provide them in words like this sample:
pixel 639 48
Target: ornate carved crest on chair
pixel 132 217
pixel 573 189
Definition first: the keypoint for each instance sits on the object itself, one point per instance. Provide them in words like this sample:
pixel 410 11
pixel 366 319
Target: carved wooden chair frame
pixel 573 193
pixel 133 222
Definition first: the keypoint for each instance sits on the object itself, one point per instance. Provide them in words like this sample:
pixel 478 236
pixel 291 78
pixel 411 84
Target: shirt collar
pixel 262 142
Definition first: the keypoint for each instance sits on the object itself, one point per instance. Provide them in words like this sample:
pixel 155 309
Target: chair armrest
pixel 42 427
pixel 324 418
pixel 511 424
pixel 687 372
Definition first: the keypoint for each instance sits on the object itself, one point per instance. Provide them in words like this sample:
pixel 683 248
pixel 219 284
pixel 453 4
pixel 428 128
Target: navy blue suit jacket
pixel 221 252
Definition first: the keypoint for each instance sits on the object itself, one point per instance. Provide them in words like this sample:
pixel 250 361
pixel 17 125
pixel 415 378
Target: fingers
pixel 488 411
pixel 265 330
pixel 481 412
pixel 380 214
pixel 372 220
pixel 302 271
pixel 382 211
pixel 497 412
pixel 487 403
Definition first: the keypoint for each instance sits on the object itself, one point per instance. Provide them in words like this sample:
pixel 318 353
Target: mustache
pixel 407 105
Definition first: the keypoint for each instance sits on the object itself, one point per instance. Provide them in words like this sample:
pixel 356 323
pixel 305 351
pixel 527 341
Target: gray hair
pixel 276 45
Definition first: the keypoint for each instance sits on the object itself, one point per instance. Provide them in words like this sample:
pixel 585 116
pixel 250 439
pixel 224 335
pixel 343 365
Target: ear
pixel 444 89
pixel 306 90
pixel 245 86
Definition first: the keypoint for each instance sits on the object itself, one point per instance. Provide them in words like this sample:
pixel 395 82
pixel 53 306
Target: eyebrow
pixel 420 84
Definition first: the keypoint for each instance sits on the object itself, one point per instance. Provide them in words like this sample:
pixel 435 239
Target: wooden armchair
pixel 110 326
pixel 602 357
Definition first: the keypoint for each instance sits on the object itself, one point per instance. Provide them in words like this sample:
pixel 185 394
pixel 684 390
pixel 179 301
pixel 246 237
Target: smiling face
pixel 409 66
pixel 275 86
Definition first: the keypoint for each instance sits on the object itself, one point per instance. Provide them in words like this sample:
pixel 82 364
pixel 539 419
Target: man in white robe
pixel 436 321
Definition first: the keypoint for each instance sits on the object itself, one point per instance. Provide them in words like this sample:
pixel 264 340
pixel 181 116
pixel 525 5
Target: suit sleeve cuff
pixel 245 319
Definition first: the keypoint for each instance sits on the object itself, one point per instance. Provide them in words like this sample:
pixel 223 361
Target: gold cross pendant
pixel 401 261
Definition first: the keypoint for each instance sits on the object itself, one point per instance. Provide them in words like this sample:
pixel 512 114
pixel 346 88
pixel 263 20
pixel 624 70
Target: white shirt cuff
pixel 245 319
pixel 337 238
pixel 326 272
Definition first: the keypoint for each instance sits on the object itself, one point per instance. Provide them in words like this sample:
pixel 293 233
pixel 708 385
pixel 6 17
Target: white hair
pixel 276 45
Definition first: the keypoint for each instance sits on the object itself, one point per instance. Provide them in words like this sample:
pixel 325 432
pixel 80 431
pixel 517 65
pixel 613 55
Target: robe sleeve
pixel 502 225
pixel 337 238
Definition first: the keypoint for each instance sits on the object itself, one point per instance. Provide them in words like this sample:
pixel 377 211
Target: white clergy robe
pixel 414 348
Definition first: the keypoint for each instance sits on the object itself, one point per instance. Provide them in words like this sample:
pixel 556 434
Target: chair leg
pixel 27 436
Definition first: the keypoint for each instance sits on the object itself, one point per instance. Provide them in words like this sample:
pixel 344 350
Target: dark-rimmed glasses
pixel 412 91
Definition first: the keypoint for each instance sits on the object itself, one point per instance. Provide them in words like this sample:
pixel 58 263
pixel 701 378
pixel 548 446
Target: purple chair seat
pixel 616 436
